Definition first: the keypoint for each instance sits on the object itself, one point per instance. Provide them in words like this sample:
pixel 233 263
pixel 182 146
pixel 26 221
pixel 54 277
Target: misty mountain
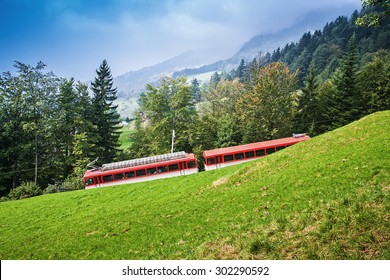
pixel 131 83
pixel 194 62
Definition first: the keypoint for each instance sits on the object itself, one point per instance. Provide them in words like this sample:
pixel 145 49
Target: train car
pixel 222 157
pixel 142 169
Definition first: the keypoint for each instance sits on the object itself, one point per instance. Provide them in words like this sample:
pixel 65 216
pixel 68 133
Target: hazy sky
pixel 73 36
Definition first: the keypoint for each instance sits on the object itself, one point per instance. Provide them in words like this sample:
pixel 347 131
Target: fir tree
pixel 348 97
pixel 195 90
pixel 106 117
pixel 241 71
pixel 307 111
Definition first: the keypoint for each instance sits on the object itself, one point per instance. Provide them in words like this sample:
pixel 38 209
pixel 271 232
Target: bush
pixel 25 190
pixel 51 189
pixel 72 183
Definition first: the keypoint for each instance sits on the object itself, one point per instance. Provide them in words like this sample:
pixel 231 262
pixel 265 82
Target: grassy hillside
pixel 327 198
pixel 124 138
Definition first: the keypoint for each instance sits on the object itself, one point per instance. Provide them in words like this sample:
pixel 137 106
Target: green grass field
pixel 124 138
pixel 326 198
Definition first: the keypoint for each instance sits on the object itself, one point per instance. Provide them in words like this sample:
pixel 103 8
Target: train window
pixel 250 154
pixel 191 164
pixel 260 153
pixel 88 181
pixel 173 167
pixel 280 148
pixel 118 176
pixel 129 174
pixel 270 151
pixel 140 172
pixel 228 158
pixel 239 156
pixel 107 178
pixel 211 161
pixel 151 171
pixel 162 169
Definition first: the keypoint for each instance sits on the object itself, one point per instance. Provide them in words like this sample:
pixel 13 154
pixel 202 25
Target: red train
pixel 233 155
pixel 181 163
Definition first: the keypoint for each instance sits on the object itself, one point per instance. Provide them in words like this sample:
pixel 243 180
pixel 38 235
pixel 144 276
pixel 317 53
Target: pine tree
pixel 307 111
pixel 66 117
pixel 106 117
pixel 374 83
pixel 348 98
pixel 195 90
pixel 241 71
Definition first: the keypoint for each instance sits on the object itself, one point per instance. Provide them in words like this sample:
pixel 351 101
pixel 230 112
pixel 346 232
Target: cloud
pixel 78 35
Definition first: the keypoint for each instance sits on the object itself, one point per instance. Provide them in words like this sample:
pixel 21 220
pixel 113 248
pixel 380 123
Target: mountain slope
pixel 327 198
pixel 131 83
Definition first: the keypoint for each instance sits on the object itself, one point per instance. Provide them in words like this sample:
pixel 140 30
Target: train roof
pixel 140 163
pixel 256 146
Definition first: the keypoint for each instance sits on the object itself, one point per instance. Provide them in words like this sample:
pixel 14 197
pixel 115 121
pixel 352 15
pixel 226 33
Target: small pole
pixel 173 139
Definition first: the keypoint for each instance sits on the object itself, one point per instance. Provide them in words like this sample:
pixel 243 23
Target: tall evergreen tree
pixel 215 79
pixel 348 97
pixel 106 117
pixel 241 71
pixel 195 90
pixel 374 83
pixel 307 111
pixel 66 117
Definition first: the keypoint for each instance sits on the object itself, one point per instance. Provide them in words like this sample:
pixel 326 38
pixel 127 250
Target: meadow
pixel 326 198
pixel 124 138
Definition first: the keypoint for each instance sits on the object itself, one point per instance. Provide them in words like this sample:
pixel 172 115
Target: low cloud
pixel 135 34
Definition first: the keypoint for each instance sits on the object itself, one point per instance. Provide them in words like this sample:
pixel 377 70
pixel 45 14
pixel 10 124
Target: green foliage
pixel 376 17
pixel 51 189
pixel 25 190
pixel 265 110
pixel 374 82
pixel 167 107
pixel 72 183
pixel 26 136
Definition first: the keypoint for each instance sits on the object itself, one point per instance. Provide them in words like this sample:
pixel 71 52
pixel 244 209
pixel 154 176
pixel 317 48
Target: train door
pixel 97 181
pixel 218 161
pixel 183 167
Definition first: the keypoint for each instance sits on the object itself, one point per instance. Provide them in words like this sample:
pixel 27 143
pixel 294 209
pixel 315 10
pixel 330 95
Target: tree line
pixel 51 127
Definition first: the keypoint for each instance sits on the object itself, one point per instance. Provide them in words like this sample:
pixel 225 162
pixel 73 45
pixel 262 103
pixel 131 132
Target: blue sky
pixel 73 36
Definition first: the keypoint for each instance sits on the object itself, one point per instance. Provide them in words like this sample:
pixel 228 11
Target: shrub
pixel 72 183
pixel 51 189
pixel 4 198
pixel 25 190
